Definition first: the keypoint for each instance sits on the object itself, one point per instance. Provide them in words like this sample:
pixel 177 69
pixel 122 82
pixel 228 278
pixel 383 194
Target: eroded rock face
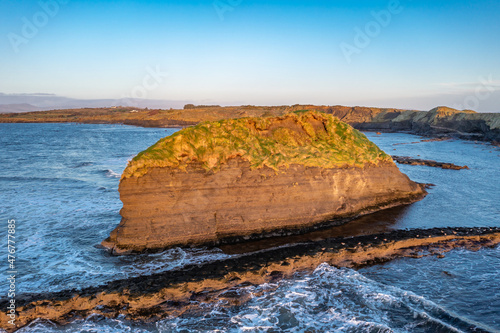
pixel 192 205
pixel 172 207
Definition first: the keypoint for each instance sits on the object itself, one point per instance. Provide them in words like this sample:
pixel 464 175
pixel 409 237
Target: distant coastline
pixel 438 122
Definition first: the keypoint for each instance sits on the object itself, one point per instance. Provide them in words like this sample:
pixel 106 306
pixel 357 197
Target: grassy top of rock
pixel 444 111
pixel 309 138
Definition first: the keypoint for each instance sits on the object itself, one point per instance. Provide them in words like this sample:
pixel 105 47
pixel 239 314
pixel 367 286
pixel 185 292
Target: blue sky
pixel 418 54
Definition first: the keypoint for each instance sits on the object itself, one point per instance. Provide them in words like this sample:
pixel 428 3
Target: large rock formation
pixel 248 177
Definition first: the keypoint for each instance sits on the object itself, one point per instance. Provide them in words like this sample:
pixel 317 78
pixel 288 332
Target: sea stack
pixel 245 178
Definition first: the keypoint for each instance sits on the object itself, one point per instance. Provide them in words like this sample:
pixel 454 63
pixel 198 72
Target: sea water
pixel 60 184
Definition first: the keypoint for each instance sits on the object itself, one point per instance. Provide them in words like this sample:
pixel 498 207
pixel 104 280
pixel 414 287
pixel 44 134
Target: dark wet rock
pixel 184 289
pixel 431 163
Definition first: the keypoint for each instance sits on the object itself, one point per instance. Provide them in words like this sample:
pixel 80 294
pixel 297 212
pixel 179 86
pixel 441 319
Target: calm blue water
pixel 461 198
pixel 60 181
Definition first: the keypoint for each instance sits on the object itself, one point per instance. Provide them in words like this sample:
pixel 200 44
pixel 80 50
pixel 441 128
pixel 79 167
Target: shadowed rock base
pixel 169 207
pixel 175 292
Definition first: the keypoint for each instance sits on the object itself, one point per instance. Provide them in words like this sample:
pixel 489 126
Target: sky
pixel 406 54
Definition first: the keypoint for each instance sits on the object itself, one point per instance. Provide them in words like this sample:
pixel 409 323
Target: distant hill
pixel 10 103
pixel 21 107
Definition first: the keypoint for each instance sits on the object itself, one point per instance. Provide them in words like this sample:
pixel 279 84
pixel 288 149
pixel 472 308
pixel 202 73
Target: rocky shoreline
pixel 175 292
pixel 440 122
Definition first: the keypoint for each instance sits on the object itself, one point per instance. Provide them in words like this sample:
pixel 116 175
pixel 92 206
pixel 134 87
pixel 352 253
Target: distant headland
pixel 438 122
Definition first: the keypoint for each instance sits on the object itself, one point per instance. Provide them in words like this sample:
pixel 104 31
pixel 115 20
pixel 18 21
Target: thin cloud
pixel 27 94
pixel 471 85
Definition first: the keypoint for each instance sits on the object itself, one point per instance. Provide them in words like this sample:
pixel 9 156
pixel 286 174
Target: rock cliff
pixel 440 121
pixel 242 178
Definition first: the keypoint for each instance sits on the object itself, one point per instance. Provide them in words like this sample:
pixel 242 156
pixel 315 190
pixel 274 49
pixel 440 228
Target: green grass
pixel 309 138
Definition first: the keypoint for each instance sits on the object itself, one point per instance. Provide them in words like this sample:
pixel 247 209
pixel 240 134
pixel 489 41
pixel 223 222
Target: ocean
pixel 59 182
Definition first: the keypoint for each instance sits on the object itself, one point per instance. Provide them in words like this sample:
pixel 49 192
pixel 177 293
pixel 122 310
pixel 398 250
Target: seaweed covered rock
pixel 242 178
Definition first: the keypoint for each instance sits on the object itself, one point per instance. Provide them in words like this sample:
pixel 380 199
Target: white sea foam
pixel 111 174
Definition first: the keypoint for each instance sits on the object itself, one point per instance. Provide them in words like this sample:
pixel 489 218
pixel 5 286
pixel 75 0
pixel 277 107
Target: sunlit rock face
pixel 252 177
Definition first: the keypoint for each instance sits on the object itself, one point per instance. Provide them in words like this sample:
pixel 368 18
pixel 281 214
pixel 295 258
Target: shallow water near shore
pixel 59 182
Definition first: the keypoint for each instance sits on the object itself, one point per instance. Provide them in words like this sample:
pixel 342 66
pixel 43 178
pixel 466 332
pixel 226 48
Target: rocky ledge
pixel 431 163
pixel 237 179
pixel 194 287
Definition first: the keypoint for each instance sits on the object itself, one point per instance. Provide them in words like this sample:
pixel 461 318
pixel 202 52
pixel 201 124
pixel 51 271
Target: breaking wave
pixel 328 300
pixel 111 174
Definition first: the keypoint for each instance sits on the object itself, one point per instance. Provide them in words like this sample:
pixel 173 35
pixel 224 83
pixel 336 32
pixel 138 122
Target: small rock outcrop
pixel 241 178
pixel 431 163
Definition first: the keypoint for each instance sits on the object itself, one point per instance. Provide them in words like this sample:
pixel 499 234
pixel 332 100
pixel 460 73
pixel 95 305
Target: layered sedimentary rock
pixel 250 177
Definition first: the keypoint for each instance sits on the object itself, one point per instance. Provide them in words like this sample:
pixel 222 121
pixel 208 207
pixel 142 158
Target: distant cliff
pixel 440 121
pixel 243 178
